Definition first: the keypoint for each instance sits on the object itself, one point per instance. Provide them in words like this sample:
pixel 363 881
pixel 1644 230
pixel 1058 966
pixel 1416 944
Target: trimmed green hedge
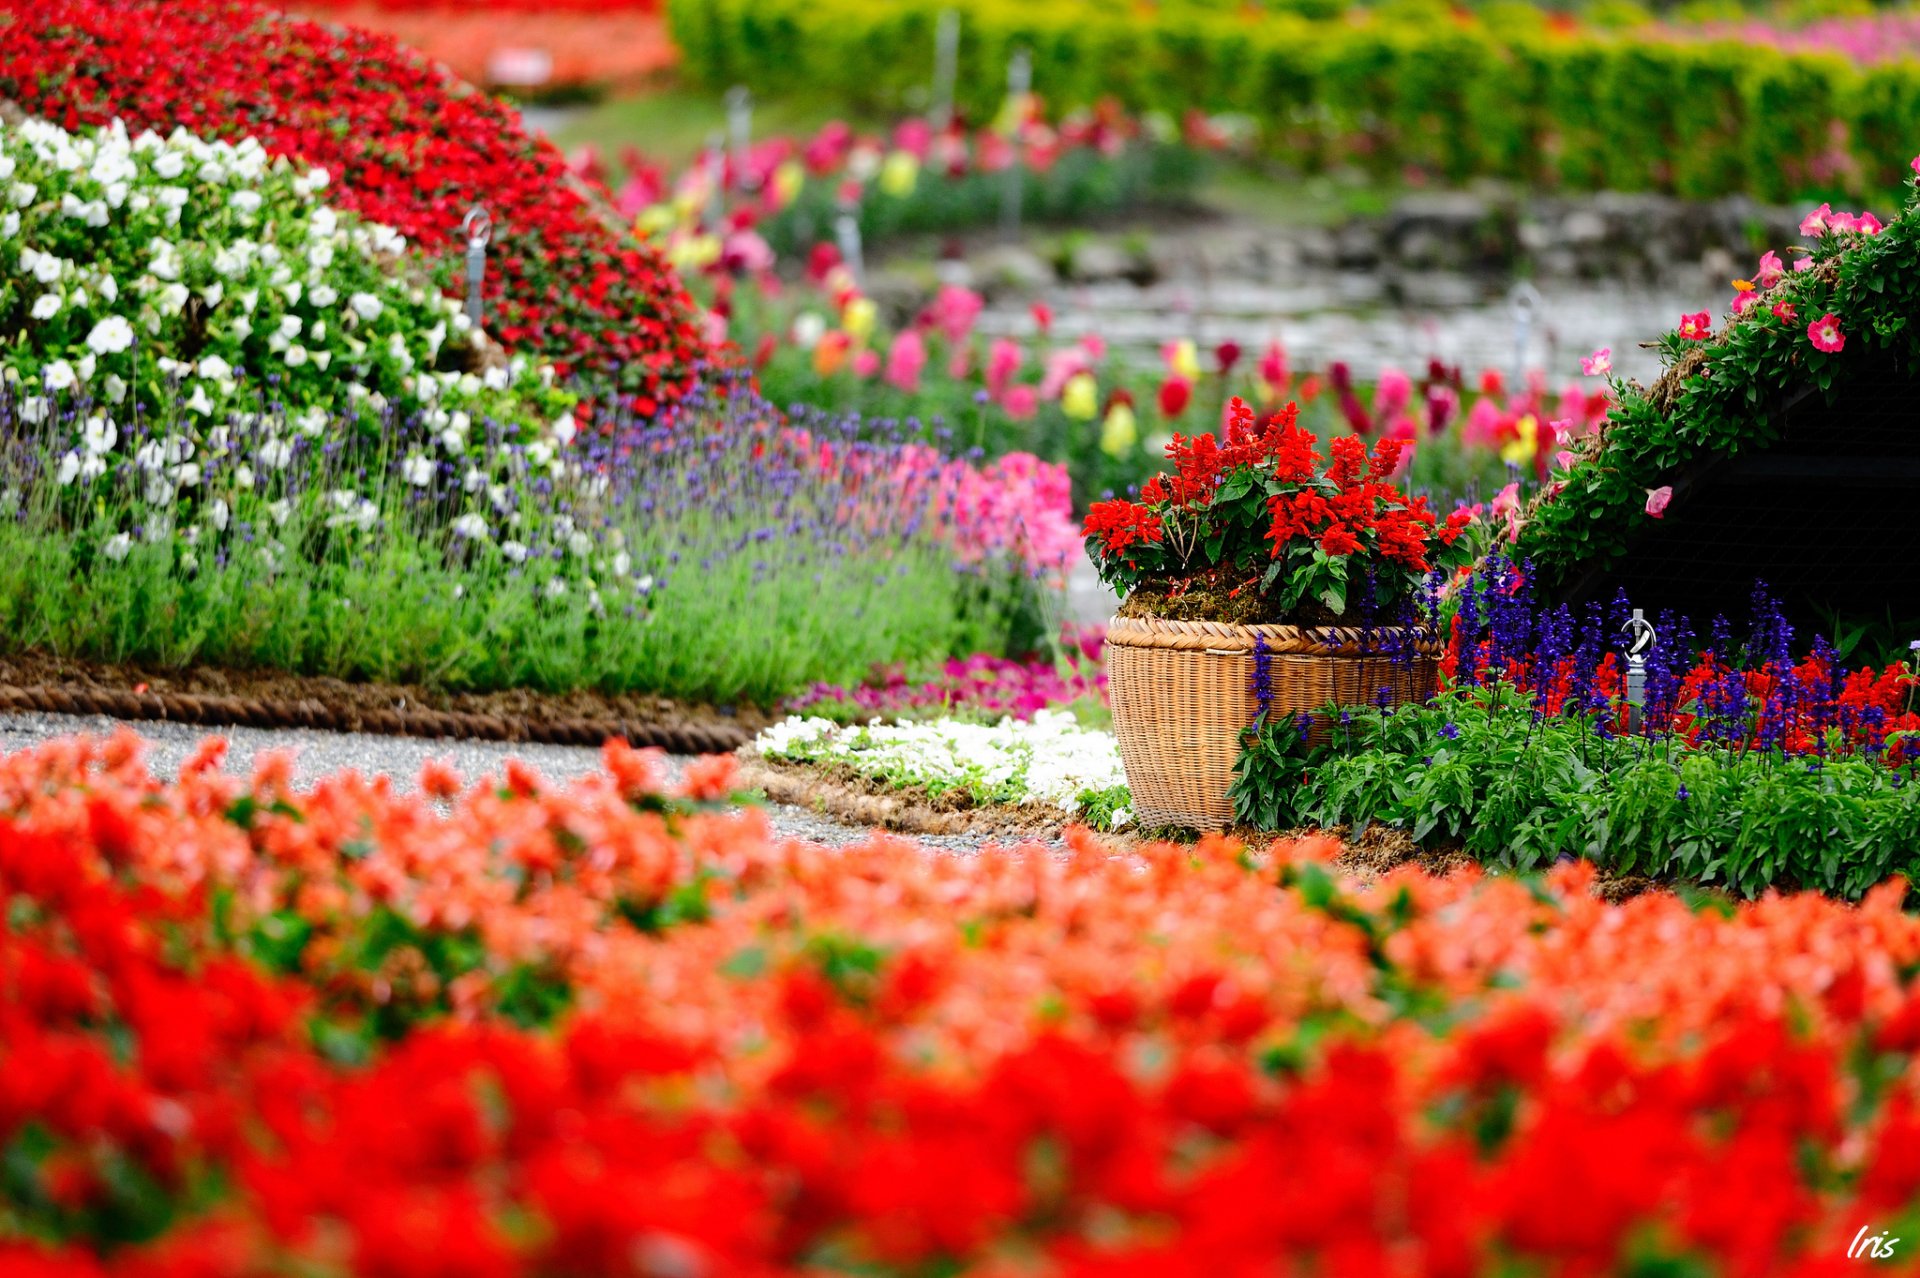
pixel 1454 98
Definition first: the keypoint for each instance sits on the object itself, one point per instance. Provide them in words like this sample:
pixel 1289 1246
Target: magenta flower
pixel 1825 333
pixel 1598 364
pixel 1003 361
pixel 1914 164
pixel 1657 499
pixel 905 359
pixel 1741 301
pixel 1815 223
pixel 1785 311
pixel 1697 327
pixel 1771 269
pixel 1868 224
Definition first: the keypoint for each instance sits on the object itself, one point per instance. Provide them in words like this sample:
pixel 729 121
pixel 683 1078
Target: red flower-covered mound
pixel 404 145
pixel 510 1030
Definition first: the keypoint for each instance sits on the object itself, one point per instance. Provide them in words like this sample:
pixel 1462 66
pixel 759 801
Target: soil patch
pixel 847 796
pixel 270 699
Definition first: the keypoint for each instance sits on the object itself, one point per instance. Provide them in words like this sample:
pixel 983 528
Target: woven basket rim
pixel 1160 632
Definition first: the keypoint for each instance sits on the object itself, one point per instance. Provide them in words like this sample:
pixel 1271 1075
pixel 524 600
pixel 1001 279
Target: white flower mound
pixel 176 261
pixel 1050 760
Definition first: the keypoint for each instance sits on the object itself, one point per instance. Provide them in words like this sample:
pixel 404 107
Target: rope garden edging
pixel 312 712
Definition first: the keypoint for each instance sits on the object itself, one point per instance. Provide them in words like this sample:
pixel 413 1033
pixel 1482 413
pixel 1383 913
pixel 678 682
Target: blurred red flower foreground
pixel 509 1029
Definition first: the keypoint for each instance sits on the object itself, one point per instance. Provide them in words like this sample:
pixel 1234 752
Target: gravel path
pixel 319 753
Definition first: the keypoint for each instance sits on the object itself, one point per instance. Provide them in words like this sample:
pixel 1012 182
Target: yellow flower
pixel 1184 358
pixel 858 318
pixel 1080 397
pixel 1120 432
pixel 1522 448
pixel 899 173
pixel 654 219
pixel 787 181
pixel 694 252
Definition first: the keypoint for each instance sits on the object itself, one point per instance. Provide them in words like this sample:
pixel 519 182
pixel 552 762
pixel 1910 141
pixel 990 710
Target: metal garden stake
pixel 1643 637
pixel 1019 84
pixel 1525 299
pixel 478 225
pixel 846 233
pixel 946 67
pixel 740 128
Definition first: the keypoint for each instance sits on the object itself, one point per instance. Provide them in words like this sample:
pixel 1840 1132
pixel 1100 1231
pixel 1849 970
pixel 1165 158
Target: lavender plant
pixel 726 554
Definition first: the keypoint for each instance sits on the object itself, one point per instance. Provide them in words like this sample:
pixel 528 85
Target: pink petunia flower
pixel 1741 301
pixel 1785 311
pixel 1657 499
pixel 1697 327
pixel 1598 364
pixel 1815 223
pixel 1771 269
pixel 1869 225
pixel 1915 164
pixel 1825 333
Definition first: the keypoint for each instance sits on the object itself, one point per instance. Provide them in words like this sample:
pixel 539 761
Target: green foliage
pixel 1727 396
pixel 1518 792
pixel 1496 98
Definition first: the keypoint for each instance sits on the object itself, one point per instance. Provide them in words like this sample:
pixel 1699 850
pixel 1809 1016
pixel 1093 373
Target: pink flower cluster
pixel 983 683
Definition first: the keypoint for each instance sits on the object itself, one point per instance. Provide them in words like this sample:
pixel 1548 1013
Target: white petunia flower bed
pixel 1050 760
pixel 214 284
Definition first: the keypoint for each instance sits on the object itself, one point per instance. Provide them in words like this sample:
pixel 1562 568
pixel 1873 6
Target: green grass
pixel 671 126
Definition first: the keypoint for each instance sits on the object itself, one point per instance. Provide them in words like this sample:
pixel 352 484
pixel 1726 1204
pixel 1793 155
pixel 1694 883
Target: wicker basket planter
pixel 1182 693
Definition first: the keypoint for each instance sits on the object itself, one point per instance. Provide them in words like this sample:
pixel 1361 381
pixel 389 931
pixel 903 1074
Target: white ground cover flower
pixel 1051 760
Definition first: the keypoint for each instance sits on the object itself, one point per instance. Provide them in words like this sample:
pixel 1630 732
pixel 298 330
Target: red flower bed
pixel 246 1030
pixel 404 146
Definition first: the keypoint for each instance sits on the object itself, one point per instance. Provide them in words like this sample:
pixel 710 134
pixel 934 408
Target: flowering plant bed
pixel 486 1029
pixel 1807 331
pixel 405 147
pixel 1048 761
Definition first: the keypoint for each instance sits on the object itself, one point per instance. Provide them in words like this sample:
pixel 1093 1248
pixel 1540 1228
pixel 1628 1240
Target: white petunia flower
pixel 69 469
pixel 514 551
pixel 365 305
pixel 117 547
pixel 296 356
pixel 46 306
pixel 99 435
pixel 471 526
pixel 110 336
pixel 417 470
pixel 245 202
pixel 58 376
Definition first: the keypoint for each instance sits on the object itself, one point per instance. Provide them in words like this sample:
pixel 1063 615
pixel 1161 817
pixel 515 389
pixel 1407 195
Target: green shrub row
pixel 1511 790
pixel 1454 98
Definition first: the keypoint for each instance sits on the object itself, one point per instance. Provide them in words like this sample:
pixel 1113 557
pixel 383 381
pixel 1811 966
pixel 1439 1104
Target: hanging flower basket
pixel 1183 692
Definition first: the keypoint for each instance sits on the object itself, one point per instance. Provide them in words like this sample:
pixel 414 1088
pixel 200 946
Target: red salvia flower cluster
pixel 404 145
pixel 221 1052
pixel 1264 478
